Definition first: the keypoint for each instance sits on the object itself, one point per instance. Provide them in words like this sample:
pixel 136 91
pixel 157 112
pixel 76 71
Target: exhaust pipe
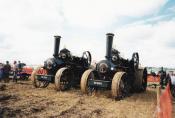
pixel 56 46
pixel 109 41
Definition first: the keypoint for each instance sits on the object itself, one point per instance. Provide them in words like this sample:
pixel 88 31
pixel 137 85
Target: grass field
pixel 23 100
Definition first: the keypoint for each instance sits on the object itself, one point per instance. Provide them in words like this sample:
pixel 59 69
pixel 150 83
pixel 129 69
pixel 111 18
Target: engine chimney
pixel 56 46
pixel 109 41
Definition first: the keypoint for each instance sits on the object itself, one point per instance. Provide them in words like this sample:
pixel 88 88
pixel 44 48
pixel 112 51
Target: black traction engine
pixel 121 76
pixel 64 69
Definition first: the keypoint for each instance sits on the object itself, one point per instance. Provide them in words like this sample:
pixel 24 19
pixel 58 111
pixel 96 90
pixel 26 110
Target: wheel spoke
pixel 64 81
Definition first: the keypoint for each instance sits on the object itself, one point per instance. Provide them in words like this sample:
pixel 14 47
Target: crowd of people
pixel 7 69
pixel 164 75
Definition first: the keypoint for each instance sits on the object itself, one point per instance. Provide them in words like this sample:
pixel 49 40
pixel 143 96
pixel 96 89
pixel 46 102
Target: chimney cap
pixel 110 34
pixel 56 36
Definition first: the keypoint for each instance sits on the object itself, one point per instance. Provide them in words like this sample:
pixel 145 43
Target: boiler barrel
pixel 56 45
pixel 109 41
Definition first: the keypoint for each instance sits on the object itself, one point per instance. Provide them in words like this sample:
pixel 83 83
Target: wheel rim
pixel 84 85
pixel 120 86
pixel 62 79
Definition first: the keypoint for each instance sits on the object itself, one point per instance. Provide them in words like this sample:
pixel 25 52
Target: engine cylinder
pixel 56 45
pixel 109 41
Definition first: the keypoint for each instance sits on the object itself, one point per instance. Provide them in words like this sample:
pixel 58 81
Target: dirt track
pixel 23 100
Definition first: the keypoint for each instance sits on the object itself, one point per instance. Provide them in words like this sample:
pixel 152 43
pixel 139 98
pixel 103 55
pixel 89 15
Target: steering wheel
pixel 87 56
pixel 135 59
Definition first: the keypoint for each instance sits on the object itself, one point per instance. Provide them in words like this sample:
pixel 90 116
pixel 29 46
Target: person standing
pixel 167 79
pixel 15 71
pixel 162 77
pixel 1 71
pixel 6 71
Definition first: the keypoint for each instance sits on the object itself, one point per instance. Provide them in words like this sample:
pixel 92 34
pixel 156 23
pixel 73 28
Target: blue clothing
pixel 1 74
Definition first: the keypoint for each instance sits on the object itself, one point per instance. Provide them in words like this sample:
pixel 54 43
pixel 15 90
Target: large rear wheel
pixel 140 82
pixel 35 81
pixel 120 87
pixel 62 79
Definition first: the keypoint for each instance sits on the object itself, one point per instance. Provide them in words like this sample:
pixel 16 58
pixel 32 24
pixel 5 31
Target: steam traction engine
pixel 64 69
pixel 121 75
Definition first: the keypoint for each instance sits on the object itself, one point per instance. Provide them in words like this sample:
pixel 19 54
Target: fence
pixel 164 103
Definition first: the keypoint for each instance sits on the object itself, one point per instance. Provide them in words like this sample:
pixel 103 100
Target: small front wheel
pixel 35 81
pixel 62 79
pixel 87 75
pixel 120 87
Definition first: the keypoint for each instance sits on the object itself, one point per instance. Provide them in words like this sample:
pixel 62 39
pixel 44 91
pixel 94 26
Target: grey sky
pixel 147 26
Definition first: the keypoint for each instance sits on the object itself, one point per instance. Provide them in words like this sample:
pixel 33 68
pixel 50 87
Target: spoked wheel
pixel 87 55
pixel 62 79
pixel 35 81
pixel 120 87
pixel 135 59
pixel 85 88
pixel 144 80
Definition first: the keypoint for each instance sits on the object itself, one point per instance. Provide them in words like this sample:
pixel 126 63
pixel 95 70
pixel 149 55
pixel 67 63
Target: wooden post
pixel 158 95
pixel 158 102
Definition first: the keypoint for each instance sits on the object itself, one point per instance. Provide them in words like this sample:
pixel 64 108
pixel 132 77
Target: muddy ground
pixel 23 100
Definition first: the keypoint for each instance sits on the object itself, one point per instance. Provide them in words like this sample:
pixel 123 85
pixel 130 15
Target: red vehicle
pixel 153 80
pixel 25 73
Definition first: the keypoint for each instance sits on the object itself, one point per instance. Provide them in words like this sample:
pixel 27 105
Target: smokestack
pixel 109 41
pixel 56 45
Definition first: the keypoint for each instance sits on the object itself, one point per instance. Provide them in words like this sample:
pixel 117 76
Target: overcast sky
pixel 27 28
